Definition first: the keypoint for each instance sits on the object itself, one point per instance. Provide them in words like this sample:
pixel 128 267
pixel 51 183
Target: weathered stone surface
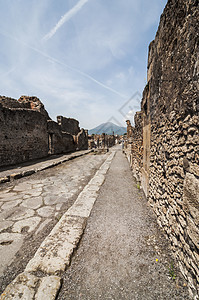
pixel 22 186
pixel 28 224
pixel 170 111
pixel 191 196
pixel 51 200
pixel 21 288
pixel 33 203
pixel 21 213
pixel 9 196
pixel 10 243
pixel 81 140
pixel 5 225
pixel 45 223
pixel 11 204
pixel 82 207
pixel 28 287
pixel 25 130
pixel 48 288
pixel 45 211
pixel 27 133
pixel 55 252
pixel 68 125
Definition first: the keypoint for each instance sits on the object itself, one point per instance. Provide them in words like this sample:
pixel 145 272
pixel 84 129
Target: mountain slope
pixel 108 128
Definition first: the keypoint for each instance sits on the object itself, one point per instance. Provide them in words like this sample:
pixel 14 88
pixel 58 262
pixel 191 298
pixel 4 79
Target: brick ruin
pixel 163 147
pixel 28 133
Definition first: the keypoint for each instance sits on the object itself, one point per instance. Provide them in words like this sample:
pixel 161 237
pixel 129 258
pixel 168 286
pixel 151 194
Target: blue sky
pixel 83 58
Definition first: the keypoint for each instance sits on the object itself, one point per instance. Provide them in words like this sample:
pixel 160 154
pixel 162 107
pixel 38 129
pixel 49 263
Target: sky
pixel 84 59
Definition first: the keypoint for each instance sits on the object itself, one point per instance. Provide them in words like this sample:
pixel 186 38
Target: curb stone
pixel 47 165
pixel 55 252
pixel 24 285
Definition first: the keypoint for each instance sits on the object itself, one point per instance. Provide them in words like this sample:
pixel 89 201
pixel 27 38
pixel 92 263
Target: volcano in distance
pixel 108 128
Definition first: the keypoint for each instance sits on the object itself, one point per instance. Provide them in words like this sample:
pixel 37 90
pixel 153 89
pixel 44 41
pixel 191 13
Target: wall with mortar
pixel 170 107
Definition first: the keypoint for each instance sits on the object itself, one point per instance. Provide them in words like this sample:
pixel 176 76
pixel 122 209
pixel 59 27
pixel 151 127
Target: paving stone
pixel 21 288
pixel 88 193
pixel 21 213
pixel 82 207
pixel 10 243
pixel 48 288
pixel 97 179
pixel 55 252
pixel 6 213
pixel 34 193
pixel 93 187
pixel 11 204
pixel 58 206
pixel 51 200
pixel 5 191
pixel 34 182
pixel 9 196
pixel 5 224
pixel 41 227
pixel 30 223
pixel 52 189
pixel 45 211
pixel 34 203
pixel 22 186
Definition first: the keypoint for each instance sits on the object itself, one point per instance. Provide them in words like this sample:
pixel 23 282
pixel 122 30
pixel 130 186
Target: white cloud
pixel 73 11
pixel 87 71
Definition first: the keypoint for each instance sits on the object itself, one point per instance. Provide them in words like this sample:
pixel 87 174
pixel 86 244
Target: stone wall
pixel 27 132
pixel 68 125
pixel 81 140
pixel 134 146
pixel 23 134
pixel 59 141
pixel 170 107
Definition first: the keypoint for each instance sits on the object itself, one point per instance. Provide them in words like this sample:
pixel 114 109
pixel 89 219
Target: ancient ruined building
pixel 101 141
pixel 169 169
pixel 27 132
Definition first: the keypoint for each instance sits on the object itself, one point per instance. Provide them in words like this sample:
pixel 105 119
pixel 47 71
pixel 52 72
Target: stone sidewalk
pixel 29 168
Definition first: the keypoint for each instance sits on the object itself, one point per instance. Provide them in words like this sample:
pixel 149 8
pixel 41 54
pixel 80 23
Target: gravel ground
pixel 123 253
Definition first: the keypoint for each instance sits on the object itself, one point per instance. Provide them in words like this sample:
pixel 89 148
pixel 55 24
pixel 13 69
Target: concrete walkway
pixel 123 254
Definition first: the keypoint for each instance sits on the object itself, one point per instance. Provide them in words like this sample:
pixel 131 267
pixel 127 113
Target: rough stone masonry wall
pixel 134 146
pixel 27 132
pixel 23 133
pixel 171 110
pixel 59 141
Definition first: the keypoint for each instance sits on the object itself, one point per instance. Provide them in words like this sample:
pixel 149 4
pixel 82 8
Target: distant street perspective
pixel 99 168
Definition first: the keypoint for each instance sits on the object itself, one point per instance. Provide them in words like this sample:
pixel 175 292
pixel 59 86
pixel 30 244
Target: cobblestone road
pixel 30 205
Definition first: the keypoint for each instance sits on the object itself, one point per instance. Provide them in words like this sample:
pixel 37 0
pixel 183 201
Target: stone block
pixel 55 252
